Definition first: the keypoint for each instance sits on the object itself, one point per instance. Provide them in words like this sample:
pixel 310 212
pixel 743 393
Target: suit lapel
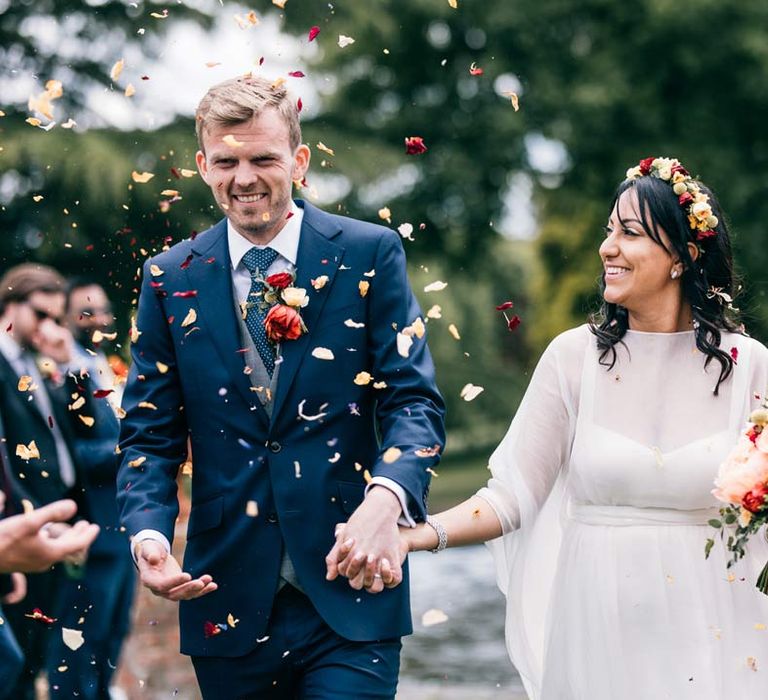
pixel 211 274
pixel 9 376
pixel 317 256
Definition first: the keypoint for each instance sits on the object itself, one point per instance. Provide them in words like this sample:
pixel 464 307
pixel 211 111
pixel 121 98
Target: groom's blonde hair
pixel 238 100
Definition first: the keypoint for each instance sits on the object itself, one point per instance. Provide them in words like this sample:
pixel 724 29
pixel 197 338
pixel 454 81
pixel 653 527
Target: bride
pixel 600 493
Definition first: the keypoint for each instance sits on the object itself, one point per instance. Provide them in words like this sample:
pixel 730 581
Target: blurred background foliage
pixel 511 203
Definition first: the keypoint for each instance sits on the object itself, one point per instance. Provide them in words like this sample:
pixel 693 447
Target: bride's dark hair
pixel 704 280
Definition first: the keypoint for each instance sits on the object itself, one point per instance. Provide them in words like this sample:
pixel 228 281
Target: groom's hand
pixel 367 549
pixel 161 573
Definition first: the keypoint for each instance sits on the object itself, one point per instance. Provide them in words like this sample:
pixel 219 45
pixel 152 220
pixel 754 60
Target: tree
pixel 77 41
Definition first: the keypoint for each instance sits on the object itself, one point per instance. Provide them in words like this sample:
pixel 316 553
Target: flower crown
pixel 689 195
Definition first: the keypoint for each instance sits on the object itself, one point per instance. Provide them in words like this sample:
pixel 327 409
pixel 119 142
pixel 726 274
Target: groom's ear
pixel 202 165
pixel 301 158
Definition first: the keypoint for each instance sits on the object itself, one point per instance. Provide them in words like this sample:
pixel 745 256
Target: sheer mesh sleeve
pixel 526 463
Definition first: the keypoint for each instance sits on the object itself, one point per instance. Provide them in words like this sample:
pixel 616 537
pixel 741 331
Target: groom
pixel 269 343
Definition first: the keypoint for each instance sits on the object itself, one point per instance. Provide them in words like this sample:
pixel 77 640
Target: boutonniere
pixel 49 370
pixel 282 301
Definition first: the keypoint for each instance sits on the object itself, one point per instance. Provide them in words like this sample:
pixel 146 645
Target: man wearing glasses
pixel 33 403
pixel 98 603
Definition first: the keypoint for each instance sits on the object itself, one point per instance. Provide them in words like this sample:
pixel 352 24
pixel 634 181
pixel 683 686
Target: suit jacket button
pixel 272 518
pixel 275 446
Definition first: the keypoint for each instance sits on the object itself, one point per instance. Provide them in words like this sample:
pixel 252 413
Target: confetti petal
pixel 189 319
pixel 436 286
pixel 116 70
pixel 323 354
pixel 72 638
pixel 470 392
pixel 433 617
pixel 141 178
pixel 345 41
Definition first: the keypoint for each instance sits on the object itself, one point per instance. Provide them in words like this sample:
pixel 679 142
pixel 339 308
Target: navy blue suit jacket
pixel 288 464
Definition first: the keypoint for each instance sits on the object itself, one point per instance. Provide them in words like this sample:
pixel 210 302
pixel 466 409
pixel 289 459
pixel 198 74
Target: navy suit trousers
pixel 302 658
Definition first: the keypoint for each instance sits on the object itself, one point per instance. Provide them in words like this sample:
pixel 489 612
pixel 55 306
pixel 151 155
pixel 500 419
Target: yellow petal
pixel 116 70
pixel 189 319
pixel 141 178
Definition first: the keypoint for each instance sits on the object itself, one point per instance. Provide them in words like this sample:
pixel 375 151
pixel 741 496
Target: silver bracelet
pixel 442 535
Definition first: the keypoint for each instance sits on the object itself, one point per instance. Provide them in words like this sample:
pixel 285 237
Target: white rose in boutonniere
pixel 295 296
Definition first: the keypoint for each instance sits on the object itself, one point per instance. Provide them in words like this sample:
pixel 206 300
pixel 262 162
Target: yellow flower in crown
pixel 696 203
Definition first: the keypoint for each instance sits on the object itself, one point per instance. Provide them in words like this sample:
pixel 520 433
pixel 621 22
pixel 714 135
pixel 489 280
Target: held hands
pixel 34 541
pixel 369 550
pixel 161 573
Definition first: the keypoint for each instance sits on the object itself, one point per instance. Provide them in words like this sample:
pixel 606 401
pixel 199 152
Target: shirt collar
pixel 286 242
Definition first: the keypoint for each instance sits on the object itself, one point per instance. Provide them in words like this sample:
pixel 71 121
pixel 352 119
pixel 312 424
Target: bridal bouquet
pixel 742 484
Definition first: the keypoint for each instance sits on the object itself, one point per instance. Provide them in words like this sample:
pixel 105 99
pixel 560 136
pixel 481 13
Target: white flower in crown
pixel 295 296
pixel 701 210
pixel 634 172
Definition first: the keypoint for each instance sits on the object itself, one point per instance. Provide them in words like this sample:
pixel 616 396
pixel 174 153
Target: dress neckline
pixel 657 334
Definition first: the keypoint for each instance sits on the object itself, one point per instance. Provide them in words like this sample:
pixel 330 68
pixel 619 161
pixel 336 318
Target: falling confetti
pixel 231 141
pixel 313 32
pixel 414 145
pixel 345 41
pixel 470 392
pixel 72 638
pixel 436 286
pixel 141 178
pixel 323 354
pixel 116 70
pixel 433 617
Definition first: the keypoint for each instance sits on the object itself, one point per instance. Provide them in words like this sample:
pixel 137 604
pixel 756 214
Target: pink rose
pixel 754 500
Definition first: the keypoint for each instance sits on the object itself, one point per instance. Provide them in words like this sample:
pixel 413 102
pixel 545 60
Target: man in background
pixel 38 426
pixel 99 601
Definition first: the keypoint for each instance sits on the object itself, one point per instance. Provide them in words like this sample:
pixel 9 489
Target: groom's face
pixel 250 168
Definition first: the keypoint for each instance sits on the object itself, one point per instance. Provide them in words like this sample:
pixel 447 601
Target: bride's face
pixel 637 269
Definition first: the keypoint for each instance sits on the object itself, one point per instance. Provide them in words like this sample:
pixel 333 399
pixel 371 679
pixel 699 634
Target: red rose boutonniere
pixel 282 302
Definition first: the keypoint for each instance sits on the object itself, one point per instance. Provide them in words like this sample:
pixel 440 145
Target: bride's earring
pixel 674 274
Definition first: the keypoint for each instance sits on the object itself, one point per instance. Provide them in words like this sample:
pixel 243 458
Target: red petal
pixel 299 105
pixel 506 305
pixel 102 393
pixel 186 294
pixel 175 172
pixel 261 61
pixel 735 354
pixel 187 261
pixel 296 74
pixel 513 323
pixel 313 32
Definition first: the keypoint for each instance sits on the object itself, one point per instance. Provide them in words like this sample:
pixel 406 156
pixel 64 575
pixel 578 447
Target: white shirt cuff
pixel 154 535
pixel 406 519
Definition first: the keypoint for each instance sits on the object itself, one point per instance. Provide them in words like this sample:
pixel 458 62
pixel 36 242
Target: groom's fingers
pixel 338 553
pixel 193 589
pixel 352 565
pixel 391 576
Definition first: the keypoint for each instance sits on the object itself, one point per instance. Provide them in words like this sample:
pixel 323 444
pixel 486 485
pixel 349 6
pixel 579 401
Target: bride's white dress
pixel 603 486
